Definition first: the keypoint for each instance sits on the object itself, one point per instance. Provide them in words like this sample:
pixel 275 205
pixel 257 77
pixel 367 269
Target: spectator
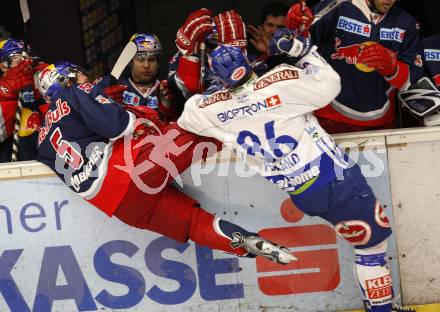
pixel 372 45
pixel 272 19
pixel 142 85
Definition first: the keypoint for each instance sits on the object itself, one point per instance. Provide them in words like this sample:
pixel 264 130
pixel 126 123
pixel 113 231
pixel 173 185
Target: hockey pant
pixel 357 216
pixel 170 212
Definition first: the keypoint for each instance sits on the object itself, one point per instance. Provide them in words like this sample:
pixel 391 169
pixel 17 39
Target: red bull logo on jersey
pixel 251 109
pixel 392 34
pixel 53 116
pixel 30 122
pixel 353 26
pixel 432 55
pixel 348 53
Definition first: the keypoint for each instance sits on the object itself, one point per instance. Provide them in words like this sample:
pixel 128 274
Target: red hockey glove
pixel 193 31
pixel 188 71
pixel 231 29
pixel 115 92
pixel 16 79
pixel 145 112
pixel 437 80
pixel 165 94
pixel 38 67
pixel 379 58
pixel 299 18
pixel 167 103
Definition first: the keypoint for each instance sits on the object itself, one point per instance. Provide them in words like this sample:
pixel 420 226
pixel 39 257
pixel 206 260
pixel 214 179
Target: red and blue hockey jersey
pixel 431 57
pixel 82 141
pixel 367 98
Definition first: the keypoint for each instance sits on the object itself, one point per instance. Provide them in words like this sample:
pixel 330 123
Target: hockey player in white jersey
pixel 268 121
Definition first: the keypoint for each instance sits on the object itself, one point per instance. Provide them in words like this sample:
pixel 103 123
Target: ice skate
pixel 398 308
pixel 394 308
pixel 259 246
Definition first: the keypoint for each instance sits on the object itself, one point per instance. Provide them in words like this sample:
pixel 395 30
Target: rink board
pixel 61 254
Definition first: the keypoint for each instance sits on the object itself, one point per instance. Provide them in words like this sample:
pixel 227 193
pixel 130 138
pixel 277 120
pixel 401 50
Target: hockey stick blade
pixel 325 10
pixel 25 10
pixel 126 56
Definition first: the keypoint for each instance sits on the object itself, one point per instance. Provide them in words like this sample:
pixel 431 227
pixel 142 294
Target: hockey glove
pixel 165 94
pixel 379 58
pixel 16 79
pixel 115 92
pixel 285 42
pixel 143 112
pixel 231 29
pixel 193 31
pixel 188 74
pixel 38 66
pixel 437 80
pixel 152 124
pixel 299 18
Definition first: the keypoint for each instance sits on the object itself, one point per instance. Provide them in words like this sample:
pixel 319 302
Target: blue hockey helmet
pixel 229 65
pixel 56 76
pixel 146 44
pixel 9 48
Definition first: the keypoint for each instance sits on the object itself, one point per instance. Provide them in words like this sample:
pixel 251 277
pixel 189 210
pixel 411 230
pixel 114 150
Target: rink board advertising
pixel 61 254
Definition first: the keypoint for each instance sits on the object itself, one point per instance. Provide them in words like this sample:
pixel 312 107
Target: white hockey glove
pixel 287 41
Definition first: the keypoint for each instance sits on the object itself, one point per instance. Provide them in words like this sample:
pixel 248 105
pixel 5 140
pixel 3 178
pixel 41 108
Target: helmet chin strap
pixel 142 83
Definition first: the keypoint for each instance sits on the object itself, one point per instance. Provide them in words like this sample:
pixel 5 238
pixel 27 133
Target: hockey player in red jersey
pixel 125 168
pixel 17 84
pixel 187 75
pixel 372 44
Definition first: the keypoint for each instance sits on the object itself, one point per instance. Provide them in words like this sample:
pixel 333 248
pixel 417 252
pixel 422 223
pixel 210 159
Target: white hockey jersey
pixel 268 121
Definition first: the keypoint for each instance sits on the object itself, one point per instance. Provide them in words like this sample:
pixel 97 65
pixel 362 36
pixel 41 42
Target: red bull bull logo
pixel 351 53
pixel 348 53
pixel 30 122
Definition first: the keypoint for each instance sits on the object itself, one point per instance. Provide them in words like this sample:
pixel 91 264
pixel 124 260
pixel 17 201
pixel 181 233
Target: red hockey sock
pixel 210 231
